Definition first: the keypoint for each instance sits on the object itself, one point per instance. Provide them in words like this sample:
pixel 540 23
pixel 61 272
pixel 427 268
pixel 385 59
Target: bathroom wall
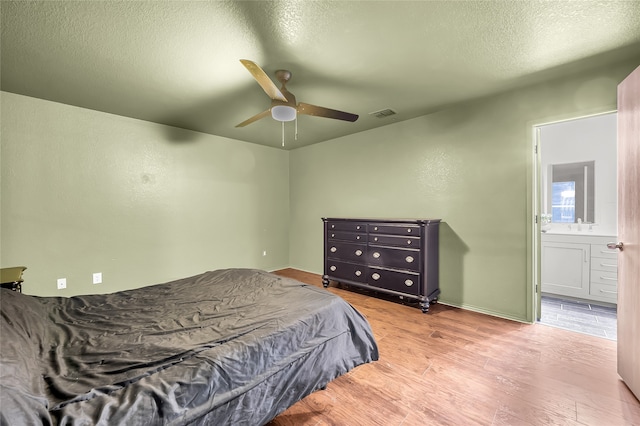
pixel 580 140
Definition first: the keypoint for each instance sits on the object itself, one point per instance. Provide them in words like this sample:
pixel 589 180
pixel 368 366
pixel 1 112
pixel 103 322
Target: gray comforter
pixel 232 346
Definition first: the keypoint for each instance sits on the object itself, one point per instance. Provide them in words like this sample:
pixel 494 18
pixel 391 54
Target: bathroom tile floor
pixel 579 316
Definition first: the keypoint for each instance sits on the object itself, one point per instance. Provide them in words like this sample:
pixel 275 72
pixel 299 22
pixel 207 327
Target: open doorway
pixel 577 208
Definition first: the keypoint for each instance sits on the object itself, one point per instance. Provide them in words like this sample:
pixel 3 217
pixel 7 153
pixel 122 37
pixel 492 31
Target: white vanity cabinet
pixel 565 268
pixel 579 265
pixel 604 273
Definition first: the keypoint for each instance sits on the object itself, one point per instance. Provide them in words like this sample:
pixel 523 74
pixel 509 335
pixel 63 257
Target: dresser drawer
pixel 346 251
pixel 347 236
pixel 393 240
pixel 399 229
pixel 347 226
pixel 394 258
pixel 347 271
pixel 405 282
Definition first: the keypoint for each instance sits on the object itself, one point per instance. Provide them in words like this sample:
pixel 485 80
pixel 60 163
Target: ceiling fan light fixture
pixel 283 113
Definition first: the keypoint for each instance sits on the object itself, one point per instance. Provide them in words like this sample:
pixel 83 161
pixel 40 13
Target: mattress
pixel 234 346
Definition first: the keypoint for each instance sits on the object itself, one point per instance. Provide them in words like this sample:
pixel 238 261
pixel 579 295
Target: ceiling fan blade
pixel 256 117
pixel 319 111
pixel 263 80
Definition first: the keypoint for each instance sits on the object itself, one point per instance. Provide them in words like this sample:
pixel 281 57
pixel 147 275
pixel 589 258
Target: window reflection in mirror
pixel 571 192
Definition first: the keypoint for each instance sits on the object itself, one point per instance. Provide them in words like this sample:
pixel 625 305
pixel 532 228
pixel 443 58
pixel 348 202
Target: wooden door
pixel 629 231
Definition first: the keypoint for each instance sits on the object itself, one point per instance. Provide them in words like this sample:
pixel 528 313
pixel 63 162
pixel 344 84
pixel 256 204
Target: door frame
pixel 535 296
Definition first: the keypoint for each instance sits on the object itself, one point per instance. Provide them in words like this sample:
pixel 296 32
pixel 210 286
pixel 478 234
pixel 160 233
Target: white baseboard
pixel 484 311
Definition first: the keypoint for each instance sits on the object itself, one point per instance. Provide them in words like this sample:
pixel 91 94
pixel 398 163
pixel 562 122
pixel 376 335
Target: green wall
pixel 469 165
pixel 84 191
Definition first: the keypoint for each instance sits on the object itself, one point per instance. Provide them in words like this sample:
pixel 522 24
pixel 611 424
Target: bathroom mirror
pixel 570 192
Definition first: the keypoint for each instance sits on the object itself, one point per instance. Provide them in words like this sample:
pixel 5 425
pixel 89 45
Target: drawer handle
pixel 333 268
pixel 408 242
pixel 608 252
pixel 375 228
pixel 376 255
pixel 358 273
pixel 608 291
pixel 358 252
pixel 606 264
pixel 358 227
pixel 333 235
pixel 333 249
pixel 409 259
pixel 409 230
pixel 375 238
pixel 357 237
pixel 375 276
pixel 333 226
pixel 607 278
pixel 408 283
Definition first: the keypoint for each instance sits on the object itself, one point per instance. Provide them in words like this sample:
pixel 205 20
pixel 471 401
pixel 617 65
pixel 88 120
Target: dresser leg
pixel 424 306
pixel 325 282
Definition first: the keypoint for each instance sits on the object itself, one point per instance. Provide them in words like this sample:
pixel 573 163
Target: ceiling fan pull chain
pixel 296 133
pixel 282 133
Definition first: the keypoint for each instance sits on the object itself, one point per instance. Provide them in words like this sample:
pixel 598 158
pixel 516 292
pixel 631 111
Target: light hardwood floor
pixel 457 367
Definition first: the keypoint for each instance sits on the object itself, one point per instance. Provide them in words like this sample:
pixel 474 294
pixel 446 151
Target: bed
pixel 234 346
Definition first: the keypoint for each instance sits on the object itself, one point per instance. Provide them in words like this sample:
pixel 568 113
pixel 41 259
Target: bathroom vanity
pixel 579 265
pixel 578 206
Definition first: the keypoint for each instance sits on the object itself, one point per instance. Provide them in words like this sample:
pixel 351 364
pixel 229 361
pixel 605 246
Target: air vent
pixel 383 113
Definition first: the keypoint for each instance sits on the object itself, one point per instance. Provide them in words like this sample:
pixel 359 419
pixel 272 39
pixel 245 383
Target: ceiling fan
pixel 283 103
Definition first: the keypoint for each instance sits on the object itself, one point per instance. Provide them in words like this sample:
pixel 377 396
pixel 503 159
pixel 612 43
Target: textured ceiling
pixel 177 62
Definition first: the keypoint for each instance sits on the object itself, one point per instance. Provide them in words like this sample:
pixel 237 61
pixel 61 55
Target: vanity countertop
pixel 579 233
pixel 578 237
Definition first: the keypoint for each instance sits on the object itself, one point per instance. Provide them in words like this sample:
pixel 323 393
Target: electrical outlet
pixel 97 277
pixel 62 283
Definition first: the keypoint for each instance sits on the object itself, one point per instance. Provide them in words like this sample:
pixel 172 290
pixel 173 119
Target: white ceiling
pixel 177 62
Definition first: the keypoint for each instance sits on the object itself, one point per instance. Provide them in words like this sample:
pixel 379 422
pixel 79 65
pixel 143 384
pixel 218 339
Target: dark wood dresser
pixel 398 257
